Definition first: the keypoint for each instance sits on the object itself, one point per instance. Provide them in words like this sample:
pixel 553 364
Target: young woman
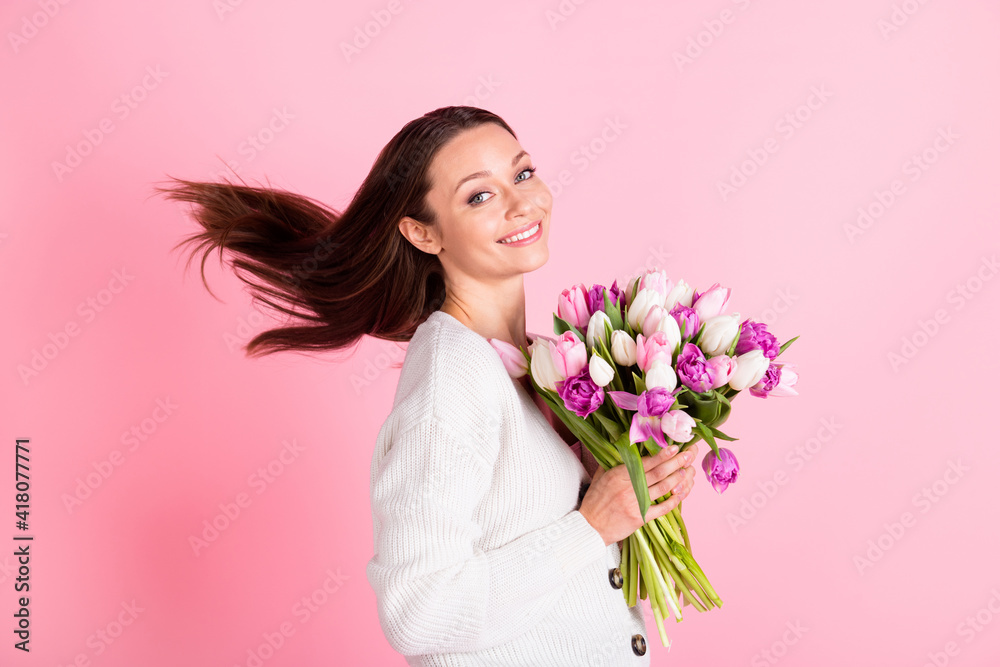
pixel 487 551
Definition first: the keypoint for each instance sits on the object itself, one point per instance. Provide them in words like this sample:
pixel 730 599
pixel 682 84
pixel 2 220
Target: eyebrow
pixel 482 174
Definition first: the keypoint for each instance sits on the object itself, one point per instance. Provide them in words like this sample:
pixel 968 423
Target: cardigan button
pixel 615 576
pixel 638 645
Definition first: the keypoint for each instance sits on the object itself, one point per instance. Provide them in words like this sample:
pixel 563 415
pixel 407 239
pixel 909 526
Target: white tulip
pixel 622 348
pixel 750 368
pixel 718 334
pixel 669 326
pixel 543 368
pixel 682 293
pixel 601 371
pixel 661 374
pixel 639 308
pixel 595 329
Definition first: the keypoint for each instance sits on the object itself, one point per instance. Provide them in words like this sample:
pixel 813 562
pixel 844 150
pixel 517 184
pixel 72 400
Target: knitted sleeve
pixel 436 591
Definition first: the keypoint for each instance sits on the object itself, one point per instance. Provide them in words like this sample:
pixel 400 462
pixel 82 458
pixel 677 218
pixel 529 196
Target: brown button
pixel 638 645
pixel 615 576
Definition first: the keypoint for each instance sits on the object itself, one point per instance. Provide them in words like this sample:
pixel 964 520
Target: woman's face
pixel 483 190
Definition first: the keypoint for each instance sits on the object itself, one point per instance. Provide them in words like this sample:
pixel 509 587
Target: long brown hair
pixel 340 275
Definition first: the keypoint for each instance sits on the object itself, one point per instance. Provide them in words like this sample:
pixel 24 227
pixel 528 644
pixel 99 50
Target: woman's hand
pixel 610 505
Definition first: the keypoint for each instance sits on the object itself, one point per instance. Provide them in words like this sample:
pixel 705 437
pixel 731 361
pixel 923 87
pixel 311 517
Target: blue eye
pixel 472 199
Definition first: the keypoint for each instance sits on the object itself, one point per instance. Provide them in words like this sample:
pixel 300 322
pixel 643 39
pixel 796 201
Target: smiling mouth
pixel 526 234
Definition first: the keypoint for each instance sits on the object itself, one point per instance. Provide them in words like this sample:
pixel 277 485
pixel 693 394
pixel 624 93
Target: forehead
pixel 487 146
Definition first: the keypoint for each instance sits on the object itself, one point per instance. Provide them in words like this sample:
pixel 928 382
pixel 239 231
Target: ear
pixel 423 236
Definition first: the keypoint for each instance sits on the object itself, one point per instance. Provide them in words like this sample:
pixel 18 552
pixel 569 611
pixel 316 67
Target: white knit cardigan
pixel 481 555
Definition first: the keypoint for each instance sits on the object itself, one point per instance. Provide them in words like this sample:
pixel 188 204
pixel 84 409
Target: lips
pixel 520 230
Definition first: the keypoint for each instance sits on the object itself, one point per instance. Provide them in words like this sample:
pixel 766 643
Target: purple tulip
pixel 688 318
pixel 721 470
pixel 580 393
pixel 649 407
pixel 772 376
pixel 694 370
pixel 654 402
pixel 755 336
pixel 595 298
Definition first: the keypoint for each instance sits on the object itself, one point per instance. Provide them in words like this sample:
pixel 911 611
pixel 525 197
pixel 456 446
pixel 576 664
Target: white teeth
pixel 522 235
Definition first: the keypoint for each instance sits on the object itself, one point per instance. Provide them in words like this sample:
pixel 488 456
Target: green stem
pixel 672 520
pixel 656 600
pixel 668 592
pixel 687 585
pixel 680 522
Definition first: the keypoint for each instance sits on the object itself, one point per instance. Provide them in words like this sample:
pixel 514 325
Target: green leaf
pixel 601 348
pixel 723 414
pixel 732 347
pixel 633 463
pixel 787 343
pixel 613 312
pixel 705 406
pixel 706 433
pixel 561 326
pixel 719 434
pixel 640 384
pixel 722 397
pixel 614 430
pixel 697 336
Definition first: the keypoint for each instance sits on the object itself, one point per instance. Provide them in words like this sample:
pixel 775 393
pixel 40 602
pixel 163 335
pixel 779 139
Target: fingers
pixel 665 454
pixel 675 475
pixel 677 482
pixel 665 468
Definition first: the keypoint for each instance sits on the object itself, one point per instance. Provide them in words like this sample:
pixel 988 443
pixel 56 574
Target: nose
pixel 521 204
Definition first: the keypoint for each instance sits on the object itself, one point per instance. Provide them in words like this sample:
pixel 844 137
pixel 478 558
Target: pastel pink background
pixel 647 196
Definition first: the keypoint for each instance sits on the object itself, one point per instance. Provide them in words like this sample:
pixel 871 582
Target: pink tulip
pixel 724 367
pixel 657 281
pixel 569 354
pixel 711 303
pixel 677 425
pixel 573 307
pixel 656 347
pixel 512 358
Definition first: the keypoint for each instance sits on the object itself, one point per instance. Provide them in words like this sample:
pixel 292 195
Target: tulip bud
pixel 595 329
pixel 711 303
pixel 658 282
pixel 569 354
pixel 512 358
pixel 661 374
pixel 750 368
pixel 724 368
pixel 681 293
pixel 649 350
pixel 601 372
pixel 671 331
pixel 543 368
pixel 622 348
pixel 640 306
pixel 677 425
pixel 721 470
pixel 572 306
pixel 718 334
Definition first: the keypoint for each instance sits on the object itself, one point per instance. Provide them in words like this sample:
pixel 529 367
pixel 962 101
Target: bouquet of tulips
pixel 636 370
